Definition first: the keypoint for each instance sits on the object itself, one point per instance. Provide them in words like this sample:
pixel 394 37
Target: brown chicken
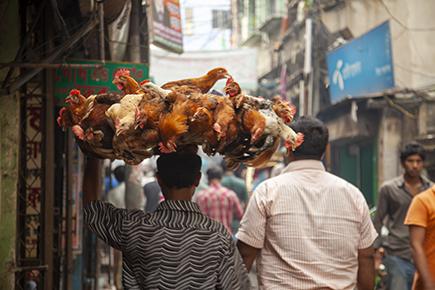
pixel 223 115
pixel 234 92
pixel 126 83
pixel 149 112
pixel 253 122
pixel 95 152
pixel 95 127
pixel 199 129
pixel 283 109
pixel 78 105
pixel 76 109
pixel 65 118
pixel 203 83
pixel 171 126
pixel 135 146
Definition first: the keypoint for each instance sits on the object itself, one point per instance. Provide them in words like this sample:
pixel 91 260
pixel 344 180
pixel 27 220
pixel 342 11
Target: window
pixel 221 19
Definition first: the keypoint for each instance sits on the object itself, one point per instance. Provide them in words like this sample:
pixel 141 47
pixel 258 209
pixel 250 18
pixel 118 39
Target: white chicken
pixel 276 127
pixel 123 114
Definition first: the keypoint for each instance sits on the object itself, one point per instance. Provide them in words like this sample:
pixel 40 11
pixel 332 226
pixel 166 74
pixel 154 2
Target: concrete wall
pixel 389 145
pixel 9 140
pixel 413 38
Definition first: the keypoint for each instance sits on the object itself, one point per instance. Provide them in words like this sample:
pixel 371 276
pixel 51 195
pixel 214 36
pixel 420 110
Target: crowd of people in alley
pixel 199 225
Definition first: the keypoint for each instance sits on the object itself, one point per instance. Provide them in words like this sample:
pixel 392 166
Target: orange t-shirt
pixel 422 213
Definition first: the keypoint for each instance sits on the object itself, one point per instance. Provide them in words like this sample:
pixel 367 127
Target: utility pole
pixel 134 48
pixel 308 78
pixel 101 30
pixel 134 196
pixel 48 200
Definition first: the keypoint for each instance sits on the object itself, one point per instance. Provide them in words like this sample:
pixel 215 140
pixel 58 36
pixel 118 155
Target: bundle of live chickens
pixel 147 119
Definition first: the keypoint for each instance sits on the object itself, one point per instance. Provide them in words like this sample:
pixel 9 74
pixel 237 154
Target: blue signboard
pixel 361 66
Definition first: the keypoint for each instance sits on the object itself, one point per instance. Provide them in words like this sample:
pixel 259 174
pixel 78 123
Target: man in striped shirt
pixel 308 228
pixel 218 202
pixel 175 247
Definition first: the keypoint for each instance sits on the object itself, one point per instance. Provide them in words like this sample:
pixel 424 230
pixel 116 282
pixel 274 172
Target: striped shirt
pixel 220 203
pixel 309 225
pixel 176 247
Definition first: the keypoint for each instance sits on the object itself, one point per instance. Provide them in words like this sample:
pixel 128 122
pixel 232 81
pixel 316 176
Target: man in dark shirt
pixel 236 184
pixel 176 247
pixel 394 199
pixel 152 193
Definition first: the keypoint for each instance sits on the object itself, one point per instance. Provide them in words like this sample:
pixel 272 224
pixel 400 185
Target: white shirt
pixel 309 225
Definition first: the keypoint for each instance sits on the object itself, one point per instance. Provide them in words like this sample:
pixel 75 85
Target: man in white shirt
pixel 307 228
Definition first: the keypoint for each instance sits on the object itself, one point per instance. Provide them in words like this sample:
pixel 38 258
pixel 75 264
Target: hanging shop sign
pixel 166 25
pixel 93 80
pixel 362 66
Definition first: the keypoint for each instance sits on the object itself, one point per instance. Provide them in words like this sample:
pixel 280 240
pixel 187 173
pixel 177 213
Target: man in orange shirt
pixel 421 221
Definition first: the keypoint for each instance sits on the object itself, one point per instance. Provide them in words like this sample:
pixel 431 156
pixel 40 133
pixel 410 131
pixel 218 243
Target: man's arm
pixel 381 209
pixel 90 180
pixel 248 254
pixel 102 218
pixel 237 207
pixel 232 273
pixel 366 269
pixel 417 235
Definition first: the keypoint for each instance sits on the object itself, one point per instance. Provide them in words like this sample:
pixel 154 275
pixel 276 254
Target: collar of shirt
pixel 425 183
pixel 303 165
pixel 178 205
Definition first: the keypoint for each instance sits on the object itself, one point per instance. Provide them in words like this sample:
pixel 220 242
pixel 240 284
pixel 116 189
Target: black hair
pixel 412 148
pixel 119 173
pixel 214 173
pixel 178 170
pixel 315 137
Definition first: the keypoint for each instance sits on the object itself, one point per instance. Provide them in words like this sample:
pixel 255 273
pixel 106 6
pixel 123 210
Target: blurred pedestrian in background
pixel 421 221
pixel 151 188
pixel 176 247
pixel 218 202
pixel 236 184
pixel 109 177
pixel 395 196
pixel 307 228
pixel 116 196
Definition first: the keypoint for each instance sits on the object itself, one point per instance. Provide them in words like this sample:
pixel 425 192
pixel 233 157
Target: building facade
pixel 206 24
pixel 367 131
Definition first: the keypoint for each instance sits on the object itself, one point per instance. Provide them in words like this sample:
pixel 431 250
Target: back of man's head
pixel 119 173
pixel 412 148
pixel 214 173
pixel 315 138
pixel 179 170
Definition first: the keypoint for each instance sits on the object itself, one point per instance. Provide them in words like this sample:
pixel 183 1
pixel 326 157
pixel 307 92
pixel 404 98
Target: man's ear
pixel 197 179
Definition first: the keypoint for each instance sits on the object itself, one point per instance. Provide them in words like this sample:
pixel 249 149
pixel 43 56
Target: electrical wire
pixel 414 71
pixel 401 23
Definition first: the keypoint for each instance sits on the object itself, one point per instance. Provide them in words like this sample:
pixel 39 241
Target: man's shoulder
pixel 427 195
pixel 213 226
pixel 392 183
pixel 287 179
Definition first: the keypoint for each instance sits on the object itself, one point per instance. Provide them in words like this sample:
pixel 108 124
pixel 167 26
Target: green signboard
pixel 93 80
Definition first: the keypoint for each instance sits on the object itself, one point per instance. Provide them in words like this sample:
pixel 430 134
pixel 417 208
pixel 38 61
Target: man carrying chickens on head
pixel 176 247
pixel 308 228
